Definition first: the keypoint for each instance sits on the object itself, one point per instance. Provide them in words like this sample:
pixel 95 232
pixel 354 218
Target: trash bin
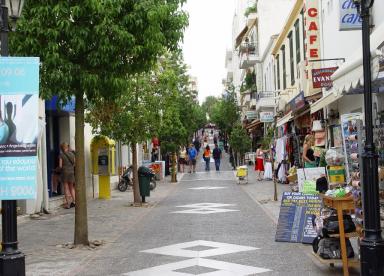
pixel 145 175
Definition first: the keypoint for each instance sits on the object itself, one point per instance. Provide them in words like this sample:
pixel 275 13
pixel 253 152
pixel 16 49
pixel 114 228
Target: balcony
pixel 248 59
pixel 265 100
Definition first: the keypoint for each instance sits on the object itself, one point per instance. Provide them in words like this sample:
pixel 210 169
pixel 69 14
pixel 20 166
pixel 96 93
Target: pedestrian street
pixel 207 226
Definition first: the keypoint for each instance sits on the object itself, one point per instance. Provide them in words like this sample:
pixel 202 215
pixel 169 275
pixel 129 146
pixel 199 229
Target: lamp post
pixel 372 244
pixel 12 261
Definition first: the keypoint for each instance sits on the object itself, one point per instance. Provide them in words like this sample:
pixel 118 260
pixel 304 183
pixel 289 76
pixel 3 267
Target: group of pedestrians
pixel 188 156
pixel 216 154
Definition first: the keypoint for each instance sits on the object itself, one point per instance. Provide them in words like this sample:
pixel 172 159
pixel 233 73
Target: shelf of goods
pixel 341 205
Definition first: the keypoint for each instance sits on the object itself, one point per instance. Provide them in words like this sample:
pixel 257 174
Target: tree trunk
pixel 174 169
pixel 136 189
pixel 81 217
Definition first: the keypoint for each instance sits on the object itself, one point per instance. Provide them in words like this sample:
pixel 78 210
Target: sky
pixel 206 40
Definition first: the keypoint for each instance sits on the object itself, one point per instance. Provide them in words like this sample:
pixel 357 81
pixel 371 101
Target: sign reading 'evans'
pixel 322 77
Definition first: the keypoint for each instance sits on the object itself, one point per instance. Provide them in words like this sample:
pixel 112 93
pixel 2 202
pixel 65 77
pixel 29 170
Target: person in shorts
pixel 192 155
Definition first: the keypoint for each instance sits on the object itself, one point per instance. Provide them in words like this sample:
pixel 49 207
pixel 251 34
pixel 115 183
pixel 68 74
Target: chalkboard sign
pixel 295 219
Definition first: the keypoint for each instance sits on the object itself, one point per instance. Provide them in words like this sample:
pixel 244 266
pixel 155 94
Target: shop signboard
pixel 19 128
pixel 349 17
pixel 295 218
pixel 54 104
pixel 267 116
pixel 297 102
pixel 251 115
pixel 321 78
pixel 312 29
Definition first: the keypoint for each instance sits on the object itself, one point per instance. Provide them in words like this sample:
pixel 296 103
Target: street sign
pixel 267 117
pixel 19 96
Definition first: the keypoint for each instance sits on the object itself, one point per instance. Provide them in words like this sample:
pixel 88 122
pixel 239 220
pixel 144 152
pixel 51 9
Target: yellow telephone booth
pixel 103 156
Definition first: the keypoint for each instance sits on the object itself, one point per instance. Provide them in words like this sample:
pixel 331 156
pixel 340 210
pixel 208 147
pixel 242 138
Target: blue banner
pixel 19 97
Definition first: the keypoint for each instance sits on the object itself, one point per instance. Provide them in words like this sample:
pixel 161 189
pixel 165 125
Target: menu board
pixel 295 220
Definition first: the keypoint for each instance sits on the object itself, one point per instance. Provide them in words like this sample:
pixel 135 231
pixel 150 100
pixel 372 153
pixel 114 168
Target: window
pixel 278 71
pixel 291 59
pixel 297 40
pixel 302 19
pixel 284 68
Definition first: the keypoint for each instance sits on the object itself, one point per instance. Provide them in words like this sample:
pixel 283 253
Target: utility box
pixel 103 154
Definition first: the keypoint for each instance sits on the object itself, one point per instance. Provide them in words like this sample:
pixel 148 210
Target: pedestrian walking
pixel 259 166
pixel 207 158
pixel 192 154
pixel 67 174
pixel 217 157
pixel 183 158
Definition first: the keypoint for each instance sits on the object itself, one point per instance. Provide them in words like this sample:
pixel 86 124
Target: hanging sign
pixel 312 29
pixel 19 96
pixel 251 114
pixel 297 102
pixel 267 117
pixel 349 17
pixel 322 77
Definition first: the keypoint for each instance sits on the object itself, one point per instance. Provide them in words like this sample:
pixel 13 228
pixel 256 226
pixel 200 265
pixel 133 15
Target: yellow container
pixel 242 171
pixel 336 174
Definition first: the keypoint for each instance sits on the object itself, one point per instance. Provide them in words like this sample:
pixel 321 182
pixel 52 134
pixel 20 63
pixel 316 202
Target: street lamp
pixel 12 261
pixel 372 244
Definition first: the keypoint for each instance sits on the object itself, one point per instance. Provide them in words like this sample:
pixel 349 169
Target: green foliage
pixel 225 113
pixel 208 105
pixel 240 140
pixel 251 9
pixel 267 139
pixel 89 46
pixel 249 81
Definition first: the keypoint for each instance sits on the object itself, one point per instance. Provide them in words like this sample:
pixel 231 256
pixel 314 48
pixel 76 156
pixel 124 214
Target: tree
pixel 88 48
pixel 132 116
pixel 240 141
pixel 208 104
pixel 225 113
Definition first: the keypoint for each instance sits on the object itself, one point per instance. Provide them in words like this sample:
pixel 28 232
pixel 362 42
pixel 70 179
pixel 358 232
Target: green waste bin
pixel 145 175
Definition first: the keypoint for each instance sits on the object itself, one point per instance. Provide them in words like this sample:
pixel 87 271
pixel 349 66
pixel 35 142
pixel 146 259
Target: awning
pixel 284 119
pixel 350 75
pixel 252 125
pixel 245 32
pixel 240 37
pixel 324 101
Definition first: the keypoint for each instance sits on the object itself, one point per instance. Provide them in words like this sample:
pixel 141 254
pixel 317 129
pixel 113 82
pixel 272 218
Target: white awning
pixel 285 119
pixel 325 101
pixel 350 75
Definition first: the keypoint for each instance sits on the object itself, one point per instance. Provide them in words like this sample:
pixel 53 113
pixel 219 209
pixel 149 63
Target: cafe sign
pixel 267 117
pixel 349 17
pixel 312 29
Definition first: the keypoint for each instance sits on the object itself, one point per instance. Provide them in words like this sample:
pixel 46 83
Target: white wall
pixel 272 17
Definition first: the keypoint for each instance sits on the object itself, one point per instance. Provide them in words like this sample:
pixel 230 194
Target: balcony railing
pixel 265 95
pixel 248 48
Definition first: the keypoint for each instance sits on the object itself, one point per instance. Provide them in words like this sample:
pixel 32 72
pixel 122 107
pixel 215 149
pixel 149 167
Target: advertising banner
pixel 295 218
pixel 349 18
pixel 297 102
pixel 267 117
pixel 19 96
pixel 322 77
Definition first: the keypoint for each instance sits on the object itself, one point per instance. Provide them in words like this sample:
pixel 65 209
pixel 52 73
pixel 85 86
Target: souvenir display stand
pixel 344 204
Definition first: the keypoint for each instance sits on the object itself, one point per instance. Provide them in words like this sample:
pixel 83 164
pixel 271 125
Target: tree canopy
pixel 89 48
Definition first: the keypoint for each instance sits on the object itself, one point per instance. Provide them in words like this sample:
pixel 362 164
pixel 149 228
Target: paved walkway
pixel 204 225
